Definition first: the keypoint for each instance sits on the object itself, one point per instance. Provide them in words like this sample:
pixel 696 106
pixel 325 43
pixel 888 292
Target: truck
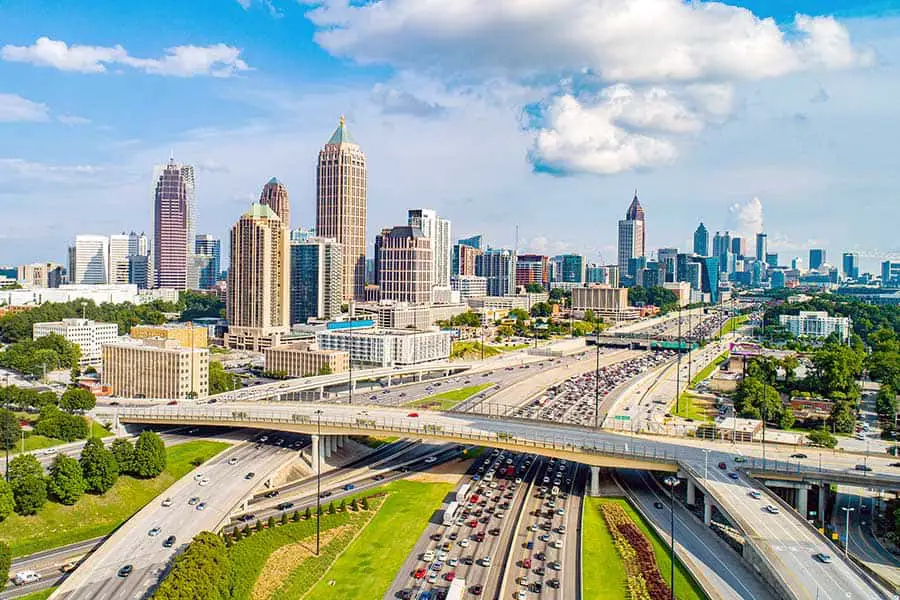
pixel 463 493
pixel 450 513
pixel 457 590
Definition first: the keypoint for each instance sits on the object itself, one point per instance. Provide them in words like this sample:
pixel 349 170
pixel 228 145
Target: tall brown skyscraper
pixel 258 306
pixel 275 196
pixel 173 224
pixel 341 205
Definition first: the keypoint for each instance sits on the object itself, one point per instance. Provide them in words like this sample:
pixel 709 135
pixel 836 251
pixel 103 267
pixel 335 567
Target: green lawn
pixel 470 350
pixel 708 369
pixel 373 442
pixel 368 566
pixel 447 400
pixel 603 574
pixel 732 324
pixel 690 410
pixel 39 442
pixel 41 595
pixel 93 516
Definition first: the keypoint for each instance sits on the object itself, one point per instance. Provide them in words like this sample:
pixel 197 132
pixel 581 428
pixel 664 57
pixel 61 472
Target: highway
pixel 722 567
pixel 863 543
pixel 131 544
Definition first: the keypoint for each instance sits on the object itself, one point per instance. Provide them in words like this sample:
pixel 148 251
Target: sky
pixel 543 114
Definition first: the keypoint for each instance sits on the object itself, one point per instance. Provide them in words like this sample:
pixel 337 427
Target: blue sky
pixel 545 114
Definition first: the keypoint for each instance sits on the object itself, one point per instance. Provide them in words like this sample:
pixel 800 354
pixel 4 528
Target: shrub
pixel 271 522
pixel 202 571
pixel 296 516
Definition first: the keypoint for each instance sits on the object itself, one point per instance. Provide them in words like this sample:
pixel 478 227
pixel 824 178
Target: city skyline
pixel 242 127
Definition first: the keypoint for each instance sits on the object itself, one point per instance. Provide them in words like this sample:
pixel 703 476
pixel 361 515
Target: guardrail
pixel 364 425
pixel 762 468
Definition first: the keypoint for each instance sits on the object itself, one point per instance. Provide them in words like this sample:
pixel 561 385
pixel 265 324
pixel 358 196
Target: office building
pixel 438 231
pixel 341 205
pixel 850 264
pixel 738 247
pixel 777 279
pixel 258 305
pixel 465 259
pixel 701 240
pixel 890 274
pixel 404 265
pixel 694 275
pixel 722 250
pixel 762 246
pixel 816 259
pixel 533 269
pixel 155 368
pixel 275 196
pixel 39 275
pixel 186 334
pixel 302 359
pixel 174 218
pixel 89 335
pixel 568 268
pixel 317 268
pixel 632 234
pixel 119 251
pixel 402 315
pixel 139 271
pixel 668 261
pixel 608 274
pixel 469 286
pixel 772 259
pixel 606 302
pixel 301 234
pixel 498 267
pixel 816 324
pixel 709 277
pixel 89 260
pixel 387 347
pixel 210 248
pixel 98 294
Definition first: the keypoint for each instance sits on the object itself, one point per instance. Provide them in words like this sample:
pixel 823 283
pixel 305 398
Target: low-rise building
pixel 469 286
pixel 388 347
pixel 816 324
pixel 303 359
pixel 99 294
pixel 187 335
pixel 155 368
pixel 606 302
pixel 402 315
pixel 89 335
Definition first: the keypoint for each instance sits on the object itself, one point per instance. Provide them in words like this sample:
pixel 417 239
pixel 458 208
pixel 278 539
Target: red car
pixel 413 414
pixel 526 563
pixel 450 576
pixel 420 573
pixel 473 523
pixel 722 465
pixel 172 403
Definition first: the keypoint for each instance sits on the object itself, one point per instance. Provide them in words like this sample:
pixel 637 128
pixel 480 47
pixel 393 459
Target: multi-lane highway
pixel 863 543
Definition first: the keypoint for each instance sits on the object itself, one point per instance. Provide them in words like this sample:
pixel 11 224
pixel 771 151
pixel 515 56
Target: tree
pixel 271 522
pixel 343 506
pixel 29 493
pixel 57 424
pixel 66 482
pixel 540 309
pixel 284 518
pixel 5 561
pixel 296 516
pixel 9 429
pixel 822 437
pixel 149 455
pixel 519 314
pixel 325 370
pixel 589 316
pixel 886 402
pixel 534 288
pixel 204 570
pixel 842 417
pixel 331 509
pixel 221 380
pixel 123 451
pixel 7 502
pixel 365 503
pixel 24 465
pixel 353 505
pixel 77 399
pixel 98 466
pixel 259 525
pixel 787 419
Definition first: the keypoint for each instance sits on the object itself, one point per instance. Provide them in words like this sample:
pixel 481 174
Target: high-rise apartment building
pixel 533 268
pixel 850 264
pixel 174 208
pixel 632 234
pixel 89 260
pixel 404 265
pixel 498 267
pixel 438 231
pixel 762 246
pixel 701 240
pixel 275 196
pixel 210 247
pixel 816 259
pixel 317 266
pixel 258 301
pixel 568 268
pixel 341 205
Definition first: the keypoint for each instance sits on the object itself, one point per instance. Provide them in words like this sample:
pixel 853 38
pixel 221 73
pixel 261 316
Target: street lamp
pixel 847 510
pixel 671 481
pixel 706 452
pixel 317 454
pixel 597 375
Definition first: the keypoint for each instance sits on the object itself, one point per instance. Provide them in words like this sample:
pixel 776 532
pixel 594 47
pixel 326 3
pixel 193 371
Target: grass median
pixel 449 399
pixel 41 595
pixel 93 516
pixel 603 573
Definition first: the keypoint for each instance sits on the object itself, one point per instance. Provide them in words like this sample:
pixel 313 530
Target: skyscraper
pixel 762 246
pixel 119 251
pixel 498 267
pixel 173 224
pixel 737 246
pixel 816 258
pixel 568 268
pixel 850 262
pixel 316 279
pixel 258 301
pixel 668 260
pixel 341 205
pixel 722 250
pixel 275 196
pixel 465 255
pixel 210 247
pixel 701 240
pixel 632 234
pixel 89 260
pixel 533 268
pixel 403 265
pixel 438 231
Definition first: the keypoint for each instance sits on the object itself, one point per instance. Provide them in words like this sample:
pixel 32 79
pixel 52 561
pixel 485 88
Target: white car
pixel 464 543
pixel 204 482
pixel 50 451
pixel 198 476
pixel 430 460
pixel 773 509
pixel 428 556
pixel 233 460
pixel 154 532
pixel 25 577
pixel 167 502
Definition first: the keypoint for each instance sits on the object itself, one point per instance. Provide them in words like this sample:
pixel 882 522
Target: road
pixel 863 543
pixel 725 570
pixel 97 578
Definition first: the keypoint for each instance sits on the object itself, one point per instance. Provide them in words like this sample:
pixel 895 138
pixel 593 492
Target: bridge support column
pixel 595 481
pixel 707 512
pixel 823 491
pixel 340 441
pixel 802 502
pixel 315 447
pixel 326 446
pixel 691 493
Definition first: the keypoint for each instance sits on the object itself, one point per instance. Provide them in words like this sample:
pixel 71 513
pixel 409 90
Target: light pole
pixel 706 464
pixel 672 482
pixel 597 375
pixel 847 510
pixel 350 360
pixel 678 370
pixel 317 453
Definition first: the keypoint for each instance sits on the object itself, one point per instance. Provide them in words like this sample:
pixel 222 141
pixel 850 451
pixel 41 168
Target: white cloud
pixel 620 40
pixel 15 108
pixel 397 101
pixel 73 120
pixel 217 60
pixel 746 218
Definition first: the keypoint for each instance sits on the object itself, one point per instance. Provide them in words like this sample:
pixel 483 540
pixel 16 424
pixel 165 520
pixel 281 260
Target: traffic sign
pixel 622 417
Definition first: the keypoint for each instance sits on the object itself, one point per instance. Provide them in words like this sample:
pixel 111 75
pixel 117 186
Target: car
pixel 349 487
pixel 25 577
pixel 264 439
pixel 740 459
pixel 201 506
pixel 442 556
pixel 154 532
pixel 476 590
pixel 722 465
pixel 271 493
pixel 250 475
pixel 49 451
pixel 324 494
pixel 430 460
pixel 167 502
pixel 521 595
pixel 798 455
pixel 419 573
pixel 486 561
pixel 172 403
pixel 198 476
pixel 452 562
pixel 464 543
pixel 126 570
pixel 194 500
pixel 553 583
pixel 428 556
pixel 823 558
pixel 755 494
pixel 863 468
pixel 233 460
pixel 555 565
pixel 204 482
pixel 733 475
pixel 771 508
pixel 378 477
pixel 557 544
pixel 449 576
pixel 412 415
pixel 285 505
pixel 657 504
pixel 169 542
pixel 526 563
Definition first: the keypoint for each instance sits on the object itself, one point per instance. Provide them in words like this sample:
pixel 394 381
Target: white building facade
pixel 89 335
pixel 388 347
pixel 89 260
pixel 816 324
pixel 438 231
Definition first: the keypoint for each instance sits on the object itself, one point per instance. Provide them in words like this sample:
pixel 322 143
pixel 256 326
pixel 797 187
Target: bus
pixel 463 493
pixel 457 590
pixel 450 513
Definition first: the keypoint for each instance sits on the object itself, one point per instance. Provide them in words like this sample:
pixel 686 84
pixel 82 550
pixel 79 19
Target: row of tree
pixel 96 471
pixel 204 570
pixel 34 357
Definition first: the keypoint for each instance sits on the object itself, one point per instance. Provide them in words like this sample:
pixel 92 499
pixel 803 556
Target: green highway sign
pixel 622 418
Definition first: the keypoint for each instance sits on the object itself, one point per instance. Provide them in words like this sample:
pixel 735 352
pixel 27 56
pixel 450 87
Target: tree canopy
pixel 149 455
pixel 204 570
pixel 77 399
pixel 66 482
pixel 98 466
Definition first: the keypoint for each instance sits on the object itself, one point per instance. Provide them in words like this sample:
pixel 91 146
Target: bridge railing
pixel 363 424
